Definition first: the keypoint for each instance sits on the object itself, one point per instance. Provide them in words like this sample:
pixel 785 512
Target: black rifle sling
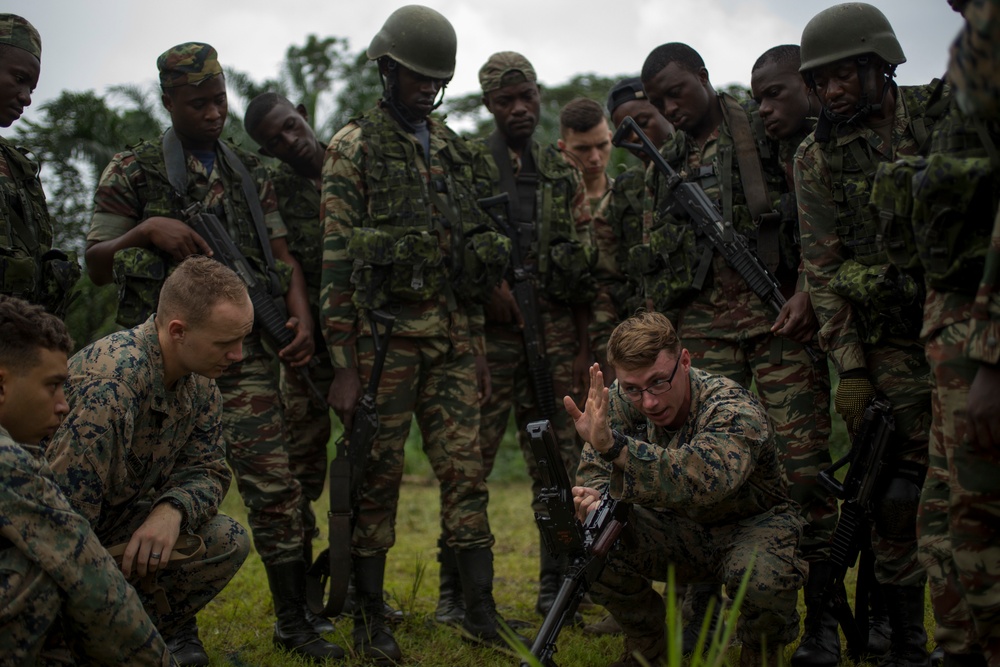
pixel 752 177
pixel 522 189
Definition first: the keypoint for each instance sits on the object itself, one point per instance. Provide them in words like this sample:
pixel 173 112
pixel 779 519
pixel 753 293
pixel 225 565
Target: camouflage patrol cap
pixel 624 91
pixel 16 31
pixel 505 68
pixel 189 63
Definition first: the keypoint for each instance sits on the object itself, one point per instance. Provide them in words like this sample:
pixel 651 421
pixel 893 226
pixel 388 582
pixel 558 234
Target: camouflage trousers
pixel 38 628
pixel 258 453
pixel 513 390
pixel 192 584
pixel 796 393
pixel 425 378
pixel 659 540
pixel 308 431
pixel 960 509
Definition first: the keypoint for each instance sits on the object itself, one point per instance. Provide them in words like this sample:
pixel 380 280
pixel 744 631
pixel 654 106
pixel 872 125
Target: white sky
pixel 96 43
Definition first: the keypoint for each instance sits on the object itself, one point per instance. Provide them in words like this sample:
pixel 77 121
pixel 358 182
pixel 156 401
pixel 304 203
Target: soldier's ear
pixel 301 109
pixel 177 329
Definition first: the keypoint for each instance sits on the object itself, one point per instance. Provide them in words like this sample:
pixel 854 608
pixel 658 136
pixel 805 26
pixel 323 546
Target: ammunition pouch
pixel 390 268
pixel 372 251
pixel 892 202
pixel 663 268
pixel 60 272
pixel 139 274
pixel 569 276
pixel 887 302
pixel 485 259
pixel 18 275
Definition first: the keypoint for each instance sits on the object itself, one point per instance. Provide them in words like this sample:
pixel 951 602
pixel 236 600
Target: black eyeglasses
pixel 634 394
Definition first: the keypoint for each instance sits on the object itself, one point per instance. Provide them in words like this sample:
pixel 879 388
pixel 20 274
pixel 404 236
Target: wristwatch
pixel 618 444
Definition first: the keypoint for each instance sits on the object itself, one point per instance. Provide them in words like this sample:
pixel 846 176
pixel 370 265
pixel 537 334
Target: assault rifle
pixel 707 220
pixel 347 472
pixel 853 533
pixel 585 544
pixel 269 311
pixel 527 302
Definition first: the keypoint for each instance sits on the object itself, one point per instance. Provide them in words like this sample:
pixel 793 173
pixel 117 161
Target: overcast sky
pixel 92 44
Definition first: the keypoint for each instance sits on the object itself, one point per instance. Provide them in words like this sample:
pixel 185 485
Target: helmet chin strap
pixel 390 95
pixel 865 107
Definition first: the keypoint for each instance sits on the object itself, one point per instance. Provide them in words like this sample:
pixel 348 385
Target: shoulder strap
pixel 521 202
pixel 250 193
pixel 751 172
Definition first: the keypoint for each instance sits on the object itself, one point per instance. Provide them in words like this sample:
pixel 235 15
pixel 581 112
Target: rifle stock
pixel 270 315
pixel 527 302
pixel 586 544
pixel 332 567
pixel 729 243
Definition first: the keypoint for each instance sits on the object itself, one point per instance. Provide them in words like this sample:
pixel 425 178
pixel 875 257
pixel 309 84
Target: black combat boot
pixel 820 645
pixel 185 646
pixel 905 605
pixel 451 602
pixel 319 623
pixel 291 631
pixel 697 599
pixel 372 635
pixel 475 567
pixel 392 616
pixel 879 630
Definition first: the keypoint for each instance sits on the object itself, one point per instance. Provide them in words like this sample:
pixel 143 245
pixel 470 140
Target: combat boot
pixel 185 646
pixel 697 600
pixel 392 616
pixel 373 637
pixel 757 657
pixel 451 602
pixel 905 605
pixel 291 630
pixel 820 645
pixel 650 648
pixel 475 567
pixel 549 580
pixel 879 630
pixel 320 624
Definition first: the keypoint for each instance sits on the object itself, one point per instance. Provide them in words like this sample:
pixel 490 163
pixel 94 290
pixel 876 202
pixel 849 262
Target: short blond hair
pixel 195 286
pixel 638 341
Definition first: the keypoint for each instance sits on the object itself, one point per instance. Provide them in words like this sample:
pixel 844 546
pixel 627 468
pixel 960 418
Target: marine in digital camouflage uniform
pixel 142 449
pixel 551 215
pixel 694 455
pixel 402 230
pixel 869 312
pixel 727 328
pixel 63 599
pixel 29 267
pixel 958 253
pixel 137 236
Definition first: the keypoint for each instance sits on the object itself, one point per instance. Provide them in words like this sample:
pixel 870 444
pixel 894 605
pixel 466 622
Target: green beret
pixel 16 31
pixel 504 69
pixel 189 63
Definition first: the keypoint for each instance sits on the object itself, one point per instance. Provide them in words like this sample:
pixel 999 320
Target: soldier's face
pixel 783 98
pixel 590 150
pixel 18 77
pixel 669 409
pixel 32 402
pixel 648 118
pixel 198 113
pixel 838 86
pixel 417 92
pixel 516 109
pixel 284 133
pixel 681 95
pixel 211 347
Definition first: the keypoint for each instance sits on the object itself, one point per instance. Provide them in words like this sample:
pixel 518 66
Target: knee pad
pixel 895 511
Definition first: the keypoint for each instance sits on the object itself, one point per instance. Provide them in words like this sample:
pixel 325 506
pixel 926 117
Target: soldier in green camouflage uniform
pixel 403 232
pixel 140 454
pixel 869 312
pixel 941 212
pixel 138 234
pixel 694 454
pixel 62 598
pixel 720 144
pixel 29 267
pixel 551 214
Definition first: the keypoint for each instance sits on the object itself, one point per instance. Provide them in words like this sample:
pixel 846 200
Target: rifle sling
pixel 333 565
pixel 752 177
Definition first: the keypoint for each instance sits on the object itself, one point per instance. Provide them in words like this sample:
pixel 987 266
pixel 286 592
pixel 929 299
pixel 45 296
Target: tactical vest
pixel 424 238
pixel 29 268
pixel 140 272
pixel 561 264
pixel 889 302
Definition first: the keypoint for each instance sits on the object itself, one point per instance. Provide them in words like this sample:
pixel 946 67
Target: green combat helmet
pixel 418 38
pixel 848 30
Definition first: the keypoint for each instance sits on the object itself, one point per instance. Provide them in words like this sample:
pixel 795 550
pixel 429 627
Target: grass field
pixel 236 627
